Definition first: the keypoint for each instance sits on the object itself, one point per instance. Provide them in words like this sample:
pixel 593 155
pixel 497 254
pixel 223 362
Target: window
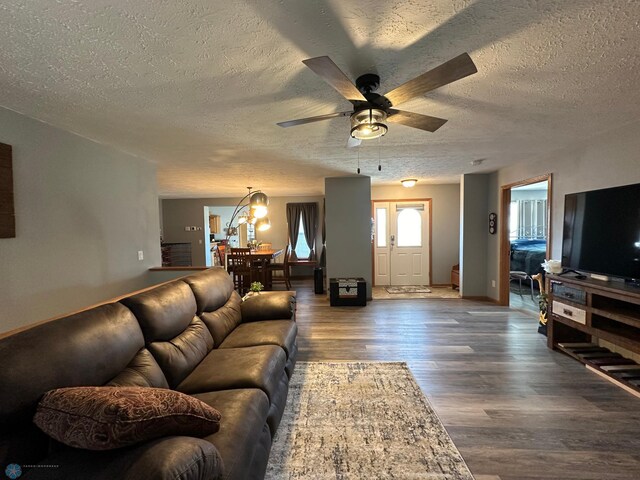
pixel 381 227
pixel 409 228
pixel 528 219
pixel 302 249
pixel 513 220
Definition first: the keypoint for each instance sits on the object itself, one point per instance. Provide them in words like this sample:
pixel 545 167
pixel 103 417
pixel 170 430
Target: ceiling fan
pixel 371 111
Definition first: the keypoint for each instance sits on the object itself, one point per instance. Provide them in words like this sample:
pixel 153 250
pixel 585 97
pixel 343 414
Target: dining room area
pixel 257 238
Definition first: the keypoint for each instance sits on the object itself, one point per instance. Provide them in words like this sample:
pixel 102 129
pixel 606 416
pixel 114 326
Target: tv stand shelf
pixel 584 311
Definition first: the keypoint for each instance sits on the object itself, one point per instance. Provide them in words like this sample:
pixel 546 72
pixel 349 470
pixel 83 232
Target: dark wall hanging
pixel 493 223
pixel 7 215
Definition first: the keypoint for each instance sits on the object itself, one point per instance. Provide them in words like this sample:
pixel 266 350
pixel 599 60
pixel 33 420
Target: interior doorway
pixel 402 242
pixel 525 239
pixel 216 223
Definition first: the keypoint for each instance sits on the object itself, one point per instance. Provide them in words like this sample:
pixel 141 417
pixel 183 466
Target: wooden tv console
pixel 586 312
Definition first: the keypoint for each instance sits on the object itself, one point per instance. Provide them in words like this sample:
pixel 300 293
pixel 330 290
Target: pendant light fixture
pixel 252 213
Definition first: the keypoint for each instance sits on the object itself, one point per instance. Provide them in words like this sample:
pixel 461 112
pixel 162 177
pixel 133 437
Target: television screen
pixel 601 231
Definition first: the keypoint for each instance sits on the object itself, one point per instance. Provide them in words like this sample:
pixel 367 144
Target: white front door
pixel 401 246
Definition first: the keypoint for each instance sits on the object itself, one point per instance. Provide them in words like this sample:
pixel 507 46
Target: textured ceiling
pixel 198 86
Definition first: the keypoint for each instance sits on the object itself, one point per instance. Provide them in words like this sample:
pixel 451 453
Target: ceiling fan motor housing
pixel 367 83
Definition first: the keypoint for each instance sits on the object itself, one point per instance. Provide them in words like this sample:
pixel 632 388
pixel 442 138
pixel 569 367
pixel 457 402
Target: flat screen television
pixel 601 232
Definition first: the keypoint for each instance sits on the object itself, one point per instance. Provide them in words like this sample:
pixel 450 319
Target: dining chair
pixel 240 267
pixel 281 267
pixel 220 251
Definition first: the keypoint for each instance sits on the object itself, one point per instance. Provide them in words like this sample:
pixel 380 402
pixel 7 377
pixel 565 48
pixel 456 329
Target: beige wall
pixel 178 213
pixel 83 210
pixel 445 218
pixel 605 160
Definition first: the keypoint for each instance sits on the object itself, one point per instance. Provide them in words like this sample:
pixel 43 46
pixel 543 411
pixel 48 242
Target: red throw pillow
pixel 103 418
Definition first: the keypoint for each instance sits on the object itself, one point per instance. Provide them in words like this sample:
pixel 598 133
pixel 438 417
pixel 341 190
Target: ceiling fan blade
pixel 353 142
pixel 415 120
pixel 330 73
pixel 302 121
pixel 448 72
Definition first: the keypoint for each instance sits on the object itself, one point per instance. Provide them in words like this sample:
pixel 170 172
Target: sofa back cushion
pixel 164 311
pixel 180 355
pixel 222 321
pixel 212 288
pixel 218 303
pixel 87 348
pixel 175 336
pixel 142 371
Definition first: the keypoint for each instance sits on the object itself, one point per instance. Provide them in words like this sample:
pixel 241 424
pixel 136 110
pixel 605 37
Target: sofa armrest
pixel 167 458
pixel 269 306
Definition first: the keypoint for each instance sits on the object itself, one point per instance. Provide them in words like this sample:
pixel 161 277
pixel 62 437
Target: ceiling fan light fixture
pixel 409 182
pixel 369 123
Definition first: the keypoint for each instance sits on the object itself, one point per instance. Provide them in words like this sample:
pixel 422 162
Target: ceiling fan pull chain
pixel 379 166
pixel 358 161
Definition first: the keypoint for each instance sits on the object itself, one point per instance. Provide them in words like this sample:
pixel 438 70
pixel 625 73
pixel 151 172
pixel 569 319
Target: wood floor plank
pixel 515 409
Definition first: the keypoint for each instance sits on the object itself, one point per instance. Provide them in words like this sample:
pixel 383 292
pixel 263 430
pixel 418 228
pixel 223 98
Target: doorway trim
pixel 373 211
pixel 505 245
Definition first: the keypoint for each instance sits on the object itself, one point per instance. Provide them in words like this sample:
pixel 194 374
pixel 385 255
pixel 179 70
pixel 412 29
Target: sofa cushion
pixel 88 348
pixel 166 458
pixel 244 413
pixel 178 356
pixel 269 332
pixel 103 418
pixel 226 368
pixel 142 371
pixel 222 321
pixel 269 306
pixel 164 311
pixel 212 288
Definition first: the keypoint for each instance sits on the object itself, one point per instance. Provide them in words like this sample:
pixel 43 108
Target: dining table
pixel 260 259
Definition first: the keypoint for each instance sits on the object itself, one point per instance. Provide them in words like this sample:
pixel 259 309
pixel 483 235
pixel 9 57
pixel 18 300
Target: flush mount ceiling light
pixel 409 182
pixel 369 123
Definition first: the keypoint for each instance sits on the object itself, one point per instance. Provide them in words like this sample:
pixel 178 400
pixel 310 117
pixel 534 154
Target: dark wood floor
pixel 515 409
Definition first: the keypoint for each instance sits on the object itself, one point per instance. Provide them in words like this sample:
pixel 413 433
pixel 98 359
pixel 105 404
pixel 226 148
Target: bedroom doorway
pixel 525 240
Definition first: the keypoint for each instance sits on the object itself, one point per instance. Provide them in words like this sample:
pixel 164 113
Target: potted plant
pixel 254 289
pixel 254 244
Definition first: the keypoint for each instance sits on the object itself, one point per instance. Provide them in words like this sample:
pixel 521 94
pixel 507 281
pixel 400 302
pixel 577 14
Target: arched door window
pixel 409 228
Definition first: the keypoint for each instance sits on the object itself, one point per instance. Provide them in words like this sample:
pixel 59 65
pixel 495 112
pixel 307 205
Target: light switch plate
pixel 140 255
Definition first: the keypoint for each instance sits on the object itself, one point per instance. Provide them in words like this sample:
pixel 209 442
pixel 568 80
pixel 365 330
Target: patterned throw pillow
pixel 103 418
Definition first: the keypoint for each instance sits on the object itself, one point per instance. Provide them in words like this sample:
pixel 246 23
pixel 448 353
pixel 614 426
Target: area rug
pixel 361 421
pixel 380 293
pixel 408 289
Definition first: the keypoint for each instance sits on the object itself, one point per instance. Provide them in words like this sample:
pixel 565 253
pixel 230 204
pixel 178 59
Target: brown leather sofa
pixel 194 335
